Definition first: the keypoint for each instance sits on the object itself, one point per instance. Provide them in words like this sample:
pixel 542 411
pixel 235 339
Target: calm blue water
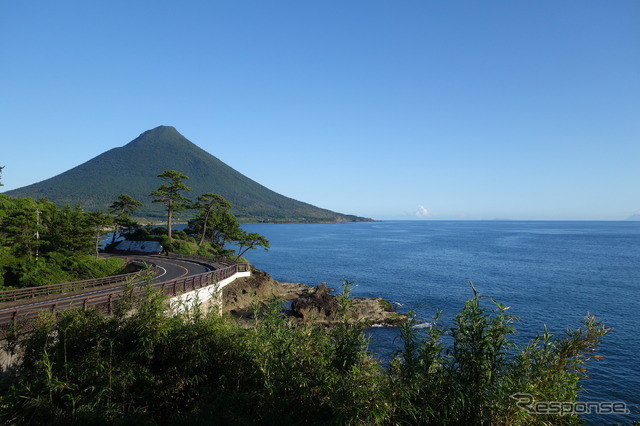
pixel 550 273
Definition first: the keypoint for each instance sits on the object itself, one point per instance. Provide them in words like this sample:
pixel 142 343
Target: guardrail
pixel 46 290
pixel 106 301
pixel 211 261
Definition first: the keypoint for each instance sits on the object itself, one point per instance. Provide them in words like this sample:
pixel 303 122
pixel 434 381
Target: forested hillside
pixel 42 244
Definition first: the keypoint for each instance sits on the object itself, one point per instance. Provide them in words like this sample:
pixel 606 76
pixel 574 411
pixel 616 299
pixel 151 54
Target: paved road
pixel 170 269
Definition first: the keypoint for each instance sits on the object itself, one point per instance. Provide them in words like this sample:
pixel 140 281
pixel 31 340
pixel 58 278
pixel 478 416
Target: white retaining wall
pixel 187 301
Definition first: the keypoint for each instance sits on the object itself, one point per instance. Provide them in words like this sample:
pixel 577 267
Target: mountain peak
pixel 160 133
pixel 160 130
pixel 133 170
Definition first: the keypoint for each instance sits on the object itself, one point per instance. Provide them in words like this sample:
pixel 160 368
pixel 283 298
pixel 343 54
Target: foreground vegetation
pixel 141 366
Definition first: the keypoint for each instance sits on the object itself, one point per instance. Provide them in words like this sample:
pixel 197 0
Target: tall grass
pixel 141 366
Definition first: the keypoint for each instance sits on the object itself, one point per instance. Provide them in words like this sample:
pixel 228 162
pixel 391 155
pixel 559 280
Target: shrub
pixel 141 366
pixel 472 381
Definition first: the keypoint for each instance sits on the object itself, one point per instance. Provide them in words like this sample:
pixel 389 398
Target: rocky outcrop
pixel 239 297
pixel 308 303
pixel 319 305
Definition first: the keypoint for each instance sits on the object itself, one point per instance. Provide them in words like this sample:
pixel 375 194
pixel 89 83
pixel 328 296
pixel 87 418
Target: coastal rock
pixel 320 306
pixel 238 298
pixel 307 303
pixel 317 305
pixel 376 310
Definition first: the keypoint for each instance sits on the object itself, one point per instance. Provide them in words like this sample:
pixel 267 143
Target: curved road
pixel 170 269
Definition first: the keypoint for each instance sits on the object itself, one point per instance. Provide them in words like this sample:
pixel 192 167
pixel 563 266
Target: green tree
pixel 215 222
pixel 42 244
pixel 225 228
pixel 123 209
pixel 210 205
pixel 100 221
pixel 5 205
pixel 169 194
pixel 70 232
pixel 25 225
pixel 249 241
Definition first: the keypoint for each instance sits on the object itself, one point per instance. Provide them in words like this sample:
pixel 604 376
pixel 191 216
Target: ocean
pixel 549 273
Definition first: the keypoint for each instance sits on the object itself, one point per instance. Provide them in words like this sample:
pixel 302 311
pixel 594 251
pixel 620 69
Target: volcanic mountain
pixel 133 170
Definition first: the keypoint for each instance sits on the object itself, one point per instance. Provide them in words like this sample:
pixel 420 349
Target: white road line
pixel 88 294
pixel 162 274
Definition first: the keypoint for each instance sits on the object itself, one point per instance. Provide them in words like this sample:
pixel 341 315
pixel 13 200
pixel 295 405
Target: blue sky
pixel 425 109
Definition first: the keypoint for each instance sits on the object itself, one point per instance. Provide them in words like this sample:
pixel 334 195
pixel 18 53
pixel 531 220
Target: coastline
pixel 305 303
